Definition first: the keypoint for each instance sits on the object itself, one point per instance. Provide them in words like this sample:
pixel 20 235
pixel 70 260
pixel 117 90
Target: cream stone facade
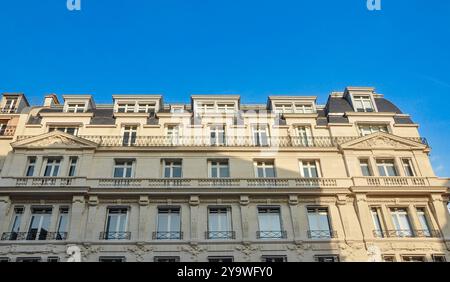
pixel 217 180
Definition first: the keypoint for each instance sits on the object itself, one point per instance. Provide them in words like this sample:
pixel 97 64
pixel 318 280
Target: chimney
pixel 51 100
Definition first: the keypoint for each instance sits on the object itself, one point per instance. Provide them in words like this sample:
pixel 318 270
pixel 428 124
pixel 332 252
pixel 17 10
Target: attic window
pixel 304 108
pixel 75 108
pixel 363 103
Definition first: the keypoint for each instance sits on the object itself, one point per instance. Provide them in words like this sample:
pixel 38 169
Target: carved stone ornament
pixel 194 250
pixel 53 140
pixel 300 248
pixel 247 249
pixel 88 249
pixel 139 250
pixel 380 142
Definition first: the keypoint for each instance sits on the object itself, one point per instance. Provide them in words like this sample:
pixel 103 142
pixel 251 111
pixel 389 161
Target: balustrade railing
pixel 115 235
pixel 220 234
pixel 167 235
pixel 7 130
pixel 402 233
pixel 322 234
pixel 271 234
pixel 43 235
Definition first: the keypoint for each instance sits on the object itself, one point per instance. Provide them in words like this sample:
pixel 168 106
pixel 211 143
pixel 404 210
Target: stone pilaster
pixel 76 218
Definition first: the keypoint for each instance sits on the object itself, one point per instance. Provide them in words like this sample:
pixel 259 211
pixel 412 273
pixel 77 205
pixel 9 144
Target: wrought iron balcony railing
pixel 167 235
pixel 13 236
pixel 7 130
pixel 220 235
pixel 271 234
pixel 8 110
pixel 228 141
pixel 406 233
pixel 322 234
pixel 115 235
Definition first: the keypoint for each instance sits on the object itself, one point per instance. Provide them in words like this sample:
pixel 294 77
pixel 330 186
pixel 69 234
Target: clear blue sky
pixel 247 47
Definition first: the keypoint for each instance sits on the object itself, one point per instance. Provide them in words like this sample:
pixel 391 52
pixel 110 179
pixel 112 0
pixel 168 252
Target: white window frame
pixel 78 107
pixel 383 162
pixel 63 128
pixel 219 210
pixel 11 108
pixel 53 163
pixel 118 225
pixel 259 129
pixel 171 165
pixel 218 164
pixel 304 108
pixel 128 107
pixel 73 163
pixel 29 164
pixel 358 98
pixel 124 166
pixel 146 107
pixel 129 129
pixel 309 166
pixel 425 223
pixel 40 217
pixel 369 167
pixel 410 164
pixel 283 108
pixel 264 165
pixel 377 221
pixel 169 211
pixel 367 129
pixel 397 213
pixel 217 129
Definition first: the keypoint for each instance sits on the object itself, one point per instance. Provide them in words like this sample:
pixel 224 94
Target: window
pixel 177 109
pixel 265 169
pixel 219 223
pixel 365 167
pixel 386 168
pixel 129 135
pixel 169 223
pixel 66 129
pixel 274 258
pixel 304 135
pixel 146 107
pixel 52 166
pixel 52 259
pixel 10 105
pixel 269 220
pixel 206 107
pixel 31 166
pixel 423 222
pixel 40 223
pixel 220 259
pixel 167 259
pixel 15 224
pixel 217 135
pixel 173 134
pixel 219 169
pixel 29 259
pixel 3 126
pixel 72 166
pixel 3 259
pixel 283 108
pixel 378 231
pixel 362 104
pixel 116 224
pixel 61 233
pixel 172 168
pixel 225 108
pixel 260 135
pixel 388 258
pixel 309 169
pixel 319 223
pixel 407 166
pixel 401 222
pixel 327 258
pixel 111 259
pixel 413 258
pixel 369 129
pixel 438 258
pixel 75 108
pixel 123 168
pixel 125 108
pixel 304 108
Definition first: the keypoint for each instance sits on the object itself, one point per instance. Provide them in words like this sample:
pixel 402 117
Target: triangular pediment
pixel 383 141
pixel 54 139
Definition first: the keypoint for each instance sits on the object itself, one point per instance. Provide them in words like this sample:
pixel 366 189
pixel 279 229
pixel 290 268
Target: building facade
pixel 217 180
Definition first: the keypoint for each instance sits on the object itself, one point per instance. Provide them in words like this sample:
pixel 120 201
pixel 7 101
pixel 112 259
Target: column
pixel 76 217
pixel 364 216
pixel 244 201
pixel 414 219
pixel 194 202
pixel 442 216
pixel 294 213
pixel 143 226
pixel 387 218
pixel 5 204
pixel 91 219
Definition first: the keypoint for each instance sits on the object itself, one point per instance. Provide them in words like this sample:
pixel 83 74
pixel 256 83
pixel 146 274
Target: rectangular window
pixel 169 224
pixel 219 223
pixel 31 166
pixel 309 168
pixel 52 166
pixel 304 108
pixel 39 223
pixel 123 168
pixel 126 108
pixel 129 135
pixel 407 166
pixel 52 259
pixel 29 259
pixel 413 258
pixel 173 134
pixel 4 259
pixel 66 129
pixel 15 224
pixel 283 108
pixel 265 169
pixel 10 105
pixel 369 129
pixel 73 166
pixel 401 222
pixel 61 233
pixel 378 231
pixel 220 259
pixel 225 108
pixel 207 107
pixel 116 224
pixel 177 109
pixel 260 135
pixel 3 126
pixel 75 108
pixel 388 258
pixel 423 223
pixel 304 135
pixel 166 259
pixel 146 107
pixel 172 168
pixel 327 258
pixel 365 167
pixel 386 167
pixel 112 259
pixel 439 258
pixel 362 104
pixel 219 169
pixel 274 258
pixel 269 220
pixel 217 135
pixel 319 223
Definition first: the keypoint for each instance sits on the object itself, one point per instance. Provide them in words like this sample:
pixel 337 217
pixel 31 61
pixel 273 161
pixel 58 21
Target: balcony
pixel 115 235
pixel 167 235
pixel 220 235
pixel 392 181
pixel 270 234
pixel 13 236
pixel 406 233
pixel 7 110
pixel 45 181
pixel 322 234
pixel 7 131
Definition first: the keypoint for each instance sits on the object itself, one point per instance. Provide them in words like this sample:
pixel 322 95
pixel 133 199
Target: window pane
pixel 118 172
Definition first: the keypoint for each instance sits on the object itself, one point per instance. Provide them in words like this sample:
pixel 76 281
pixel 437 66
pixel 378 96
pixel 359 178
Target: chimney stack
pixel 51 100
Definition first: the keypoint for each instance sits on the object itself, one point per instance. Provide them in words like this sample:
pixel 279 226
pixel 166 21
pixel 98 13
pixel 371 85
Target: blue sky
pixel 246 47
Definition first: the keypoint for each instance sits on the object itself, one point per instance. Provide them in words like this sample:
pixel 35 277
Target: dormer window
pixel 177 109
pixel 363 103
pixel 10 105
pixel 75 108
pixel 225 107
pixel 372 128
pixel 125 108
pixel 214 107
pixel 207 108
pixel 304 108
pixel 283 108
pixel 146 107
pixel 67 129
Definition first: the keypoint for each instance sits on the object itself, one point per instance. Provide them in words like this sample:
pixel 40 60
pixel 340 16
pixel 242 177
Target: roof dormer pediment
pixel 54 139
pixel 383 141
